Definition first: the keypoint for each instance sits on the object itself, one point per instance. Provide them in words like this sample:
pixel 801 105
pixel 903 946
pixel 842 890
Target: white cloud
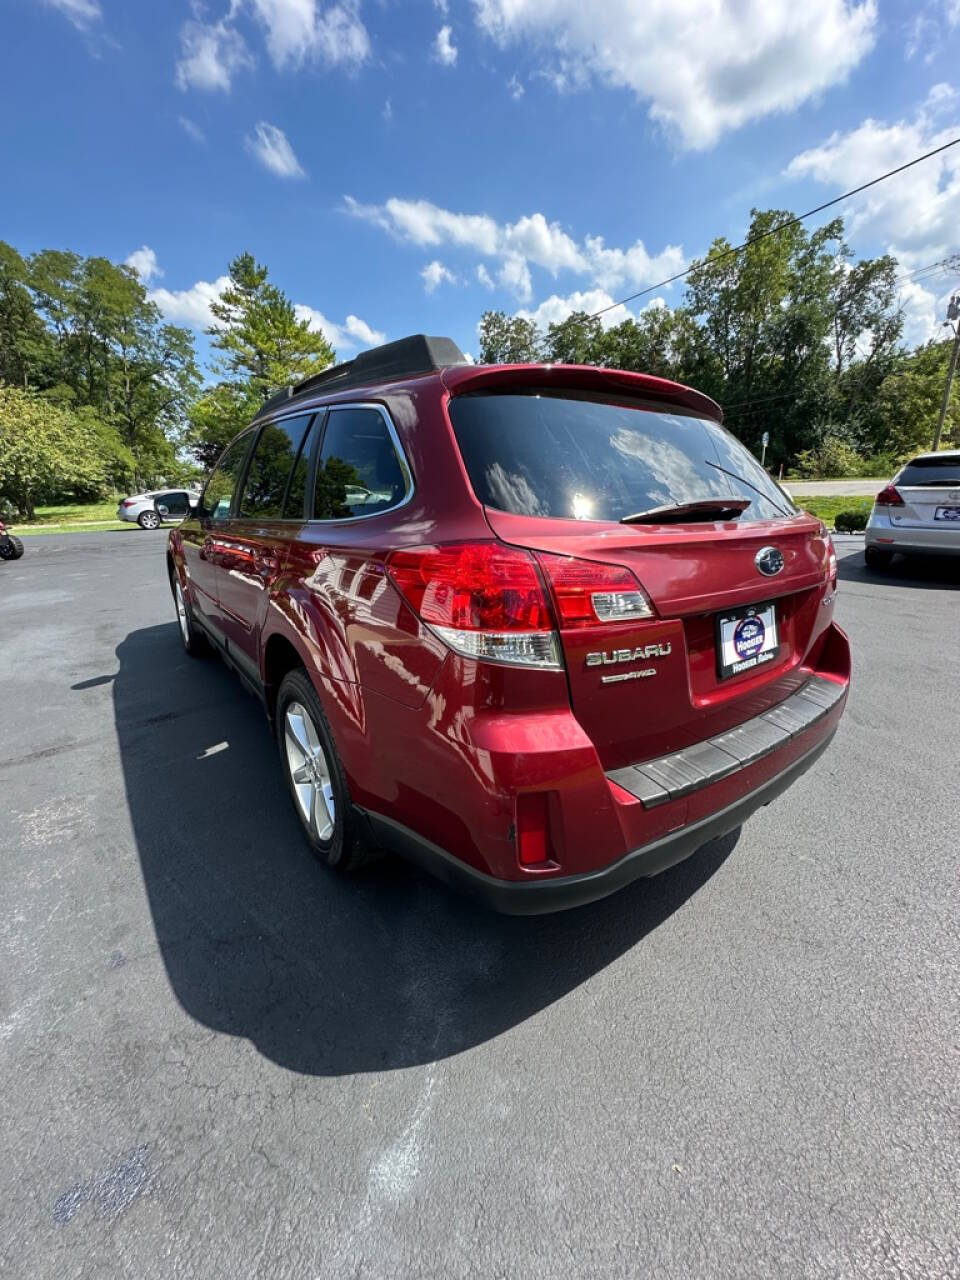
pixel 915 213
pixel 444 50
pixel 515 276
pixel 211 54
pixel 704 67
pixel 516 88
pixel 145 264
pixel 913 216
pixel 925 30
pixel 354 332
pixel 556 308
pixel 435 274
pixel 387 112
pixel 190 307
pixel 516 246
pixel 442 6
pixel 272 148
pixel 297 31
pixel 191 129
pixel 80 12
pixel 483 275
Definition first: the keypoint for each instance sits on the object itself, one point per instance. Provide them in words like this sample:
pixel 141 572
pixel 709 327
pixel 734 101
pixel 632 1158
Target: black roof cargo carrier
pixel 400 359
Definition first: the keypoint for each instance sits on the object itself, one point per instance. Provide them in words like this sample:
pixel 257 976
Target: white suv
pixel 918 513
pixel 150 510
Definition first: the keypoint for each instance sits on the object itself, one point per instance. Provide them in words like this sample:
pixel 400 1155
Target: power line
pixel 781 226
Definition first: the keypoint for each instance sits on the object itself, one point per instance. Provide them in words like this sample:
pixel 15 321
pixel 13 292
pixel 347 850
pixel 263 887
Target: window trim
pixel 311 416
pixel 398 450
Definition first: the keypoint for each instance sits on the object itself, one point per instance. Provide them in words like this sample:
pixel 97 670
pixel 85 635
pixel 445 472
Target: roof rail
pixel 403 358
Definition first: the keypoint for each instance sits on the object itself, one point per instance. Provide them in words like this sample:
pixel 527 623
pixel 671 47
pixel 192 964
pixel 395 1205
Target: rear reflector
pixel 888 497
pixel 532 823
pixel 586 592
pixel 483 599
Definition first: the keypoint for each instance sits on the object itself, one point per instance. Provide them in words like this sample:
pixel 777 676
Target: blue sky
pixel 402 166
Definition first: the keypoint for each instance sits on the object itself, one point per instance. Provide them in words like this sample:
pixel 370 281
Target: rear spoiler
pixel 463 379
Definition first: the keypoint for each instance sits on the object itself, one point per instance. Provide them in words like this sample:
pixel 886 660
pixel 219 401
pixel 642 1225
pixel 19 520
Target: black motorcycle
pixel 11 548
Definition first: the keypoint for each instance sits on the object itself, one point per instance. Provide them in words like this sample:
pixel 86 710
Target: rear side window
pixel 359 472
pixel 297 488
pixel 218 495
pixel 938 473
pixel 270 468
pixel 581 459
pixel 175 502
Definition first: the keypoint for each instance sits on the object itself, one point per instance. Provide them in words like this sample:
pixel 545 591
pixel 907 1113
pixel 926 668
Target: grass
pixel 75 517
pixel 827 509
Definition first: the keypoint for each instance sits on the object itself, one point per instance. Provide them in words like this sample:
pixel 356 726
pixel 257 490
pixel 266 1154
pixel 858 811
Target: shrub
pixel 851 521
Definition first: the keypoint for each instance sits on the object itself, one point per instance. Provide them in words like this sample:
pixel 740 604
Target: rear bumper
pixel 560 893
pixel 882 533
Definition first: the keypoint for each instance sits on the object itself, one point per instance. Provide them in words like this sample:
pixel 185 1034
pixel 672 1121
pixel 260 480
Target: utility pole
pixel 953 313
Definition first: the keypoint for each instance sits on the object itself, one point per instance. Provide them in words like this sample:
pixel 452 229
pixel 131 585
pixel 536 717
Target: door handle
pixel 267 564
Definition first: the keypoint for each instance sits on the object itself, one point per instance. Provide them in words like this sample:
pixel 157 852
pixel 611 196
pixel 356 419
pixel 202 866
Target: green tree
pixel 263 346
pixel 47 451
pixel 27 355
pixel 508 339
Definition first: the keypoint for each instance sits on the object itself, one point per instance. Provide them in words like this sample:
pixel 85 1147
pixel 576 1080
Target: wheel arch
pixel 280 656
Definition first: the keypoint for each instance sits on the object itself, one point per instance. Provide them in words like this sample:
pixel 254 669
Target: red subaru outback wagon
pixel 543 629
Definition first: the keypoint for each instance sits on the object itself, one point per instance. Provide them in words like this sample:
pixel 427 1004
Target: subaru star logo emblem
pixel 769 560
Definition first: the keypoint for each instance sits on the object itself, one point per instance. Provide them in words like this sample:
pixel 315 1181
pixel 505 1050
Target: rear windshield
pixel 941 473
pixel 540 454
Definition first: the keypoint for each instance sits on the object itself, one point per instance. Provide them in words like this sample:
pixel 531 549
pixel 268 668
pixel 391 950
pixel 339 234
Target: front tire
pixel 315 775
pixel 148 520
pixel 194 642
pixel 11 548
pixel 877 560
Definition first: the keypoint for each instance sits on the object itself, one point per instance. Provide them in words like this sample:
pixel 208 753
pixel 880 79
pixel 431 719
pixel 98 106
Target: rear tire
pixel 315 776
pixel 148 520
pixel 11 548
pixel 876 560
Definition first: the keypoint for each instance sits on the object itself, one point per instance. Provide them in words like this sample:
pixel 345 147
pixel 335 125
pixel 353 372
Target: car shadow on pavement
pixel 326 975
pixel 905 571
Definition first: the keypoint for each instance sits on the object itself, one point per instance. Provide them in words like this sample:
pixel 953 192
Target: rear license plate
pixel 947 513
pixel 746 638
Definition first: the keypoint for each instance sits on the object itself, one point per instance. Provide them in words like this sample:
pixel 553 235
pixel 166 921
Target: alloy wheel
pixel 182 614
pixel 309 771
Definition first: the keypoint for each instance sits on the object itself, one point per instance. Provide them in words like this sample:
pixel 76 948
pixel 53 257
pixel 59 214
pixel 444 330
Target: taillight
pixel 483 599
pixel 128 502
pixel 888 497
pixel 587 593
pixel 831 561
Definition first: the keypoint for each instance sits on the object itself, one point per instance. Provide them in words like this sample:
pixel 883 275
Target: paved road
pixel 216 1061
pixel 829 488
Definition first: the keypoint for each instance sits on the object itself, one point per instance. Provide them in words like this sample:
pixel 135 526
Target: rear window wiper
pixel 733 476
pixel 679 512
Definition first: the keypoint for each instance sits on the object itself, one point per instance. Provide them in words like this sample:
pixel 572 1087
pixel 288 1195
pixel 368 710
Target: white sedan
pixel 150 510
pixel 918 513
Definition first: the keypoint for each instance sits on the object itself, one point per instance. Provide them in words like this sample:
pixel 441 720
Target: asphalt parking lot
pixel 217 1060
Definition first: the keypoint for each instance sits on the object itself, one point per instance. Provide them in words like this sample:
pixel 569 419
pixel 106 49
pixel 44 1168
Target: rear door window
pixel 586 459
pixel 270 469
pixel 937 473
pixel 175 503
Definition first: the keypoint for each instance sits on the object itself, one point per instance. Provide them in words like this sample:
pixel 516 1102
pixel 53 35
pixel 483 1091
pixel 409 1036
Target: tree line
pixel 791 336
